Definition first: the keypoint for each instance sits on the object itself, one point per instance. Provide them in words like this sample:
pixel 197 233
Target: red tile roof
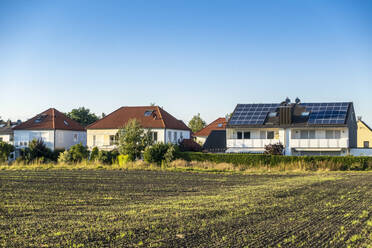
pixel 50 119
pixel 212 126
pixel 157 118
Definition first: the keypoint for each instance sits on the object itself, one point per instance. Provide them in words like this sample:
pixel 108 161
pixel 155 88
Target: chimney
pixel 285 115
pixel 285 112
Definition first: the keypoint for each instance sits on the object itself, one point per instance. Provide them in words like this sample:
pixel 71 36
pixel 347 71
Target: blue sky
pixel 187 56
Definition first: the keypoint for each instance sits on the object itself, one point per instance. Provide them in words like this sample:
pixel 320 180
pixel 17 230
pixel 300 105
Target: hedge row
pixel 256 160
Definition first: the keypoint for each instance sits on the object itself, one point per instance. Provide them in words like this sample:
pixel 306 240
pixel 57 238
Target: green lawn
pixel 96 208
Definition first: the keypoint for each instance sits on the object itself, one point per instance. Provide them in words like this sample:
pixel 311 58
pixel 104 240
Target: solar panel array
pixel 251 114
pixel 320 113
pixel 327 113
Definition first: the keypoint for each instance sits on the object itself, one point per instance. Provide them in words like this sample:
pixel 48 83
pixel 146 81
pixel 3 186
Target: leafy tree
pixel 133 139
pixel 83 116
pixel 274 149
pixel 196 123
pixel 5 151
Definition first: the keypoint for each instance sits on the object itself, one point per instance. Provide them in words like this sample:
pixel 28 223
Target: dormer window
pixel 148 112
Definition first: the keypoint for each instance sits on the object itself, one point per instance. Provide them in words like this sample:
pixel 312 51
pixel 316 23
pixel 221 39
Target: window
pixel 304 134
pixel 113 140
pixel 219 125
pixel 247 135
pixel 329 134
pixel 94 140
pixel 66 123
pixel 240 135
pixel 181 136
pixel 148 112
pixel 312 134
pixel 169 136
pixel 154 136
pixel 337 134
pixel 270 134
pixel 366 144
pixel 263 135
pixel 1 139
pixel 175 137
pixel 75 137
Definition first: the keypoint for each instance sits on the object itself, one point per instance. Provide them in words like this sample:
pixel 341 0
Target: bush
pixel 94 154
pixel 274 149
pixel 64 157
pixel 124 159
pixel 37 152
pixel 160 152
pixel 306 162
pixel 107 157
pixel 5 151
pixel 155 153
pixel 75 154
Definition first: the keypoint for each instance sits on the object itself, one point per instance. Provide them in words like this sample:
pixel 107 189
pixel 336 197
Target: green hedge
pixel 256 160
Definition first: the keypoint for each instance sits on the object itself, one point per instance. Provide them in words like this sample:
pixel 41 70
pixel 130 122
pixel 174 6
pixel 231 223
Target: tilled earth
pixel 178 209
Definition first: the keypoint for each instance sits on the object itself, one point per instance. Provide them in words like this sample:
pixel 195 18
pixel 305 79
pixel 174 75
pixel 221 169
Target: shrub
pixel 171 153
pixel 274 149
pixel 94 154
pixel 306 162
pixel 75 154
pixel 38 152
pixel 155 153
pixel 124 159
pixel 107 157
pixel 64 157
pixel 5 151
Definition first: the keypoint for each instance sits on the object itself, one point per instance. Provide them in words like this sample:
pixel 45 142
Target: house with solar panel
pixel 302 128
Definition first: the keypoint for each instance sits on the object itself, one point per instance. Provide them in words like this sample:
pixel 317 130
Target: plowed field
pixel 179 209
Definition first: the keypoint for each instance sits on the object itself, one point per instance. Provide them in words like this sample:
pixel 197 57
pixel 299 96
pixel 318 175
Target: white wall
pixel 180 133
pixel 25 136
pixel 65 138
pixel 6 138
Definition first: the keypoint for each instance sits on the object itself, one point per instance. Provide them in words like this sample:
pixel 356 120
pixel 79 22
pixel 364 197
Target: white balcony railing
pixel 250 143
pixel 319 143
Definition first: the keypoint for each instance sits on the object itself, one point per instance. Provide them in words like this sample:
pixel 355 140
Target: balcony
pixel 319 143
pixel 250 143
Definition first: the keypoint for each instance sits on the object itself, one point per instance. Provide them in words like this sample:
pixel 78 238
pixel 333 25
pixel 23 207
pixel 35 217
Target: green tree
pixel 83 116
pixel 196 123
pixel 5 150
pixel 133 139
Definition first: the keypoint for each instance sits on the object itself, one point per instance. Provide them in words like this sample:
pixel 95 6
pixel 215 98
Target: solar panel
pixel 252 114
pixel 327 113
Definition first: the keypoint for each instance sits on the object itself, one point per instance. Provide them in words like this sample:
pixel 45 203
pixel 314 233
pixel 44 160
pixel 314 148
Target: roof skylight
pixel 66 123
pixel 148 112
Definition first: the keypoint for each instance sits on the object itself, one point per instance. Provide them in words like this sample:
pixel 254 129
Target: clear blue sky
pixel 187 56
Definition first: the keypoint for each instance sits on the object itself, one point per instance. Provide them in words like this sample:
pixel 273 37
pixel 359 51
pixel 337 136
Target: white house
pixel 163 126
pixel 302 128
pixel 53 127
pixel 6 131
